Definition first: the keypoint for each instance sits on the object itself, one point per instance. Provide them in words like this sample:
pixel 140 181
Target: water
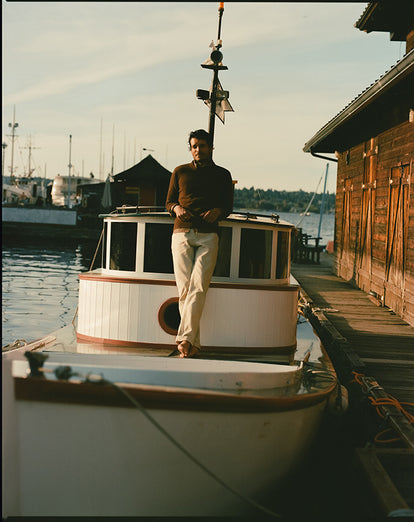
pixel 40 281
pixel 40 287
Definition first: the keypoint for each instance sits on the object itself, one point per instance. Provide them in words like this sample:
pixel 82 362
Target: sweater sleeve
pixel 227 196
pixel 172 194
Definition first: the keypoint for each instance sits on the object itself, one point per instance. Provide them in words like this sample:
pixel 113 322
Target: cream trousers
pixel 194 257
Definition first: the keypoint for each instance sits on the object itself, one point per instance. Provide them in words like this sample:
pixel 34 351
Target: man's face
pixel 200 150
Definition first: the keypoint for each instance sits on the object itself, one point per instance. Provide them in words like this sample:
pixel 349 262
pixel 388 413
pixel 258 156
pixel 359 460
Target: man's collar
pixel 199 165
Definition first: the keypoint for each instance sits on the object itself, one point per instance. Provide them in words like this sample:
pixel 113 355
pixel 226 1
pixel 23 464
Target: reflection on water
pixel 40 287
pixel 40 280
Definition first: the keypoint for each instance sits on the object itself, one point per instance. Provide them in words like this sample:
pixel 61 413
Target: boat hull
pixel 99 460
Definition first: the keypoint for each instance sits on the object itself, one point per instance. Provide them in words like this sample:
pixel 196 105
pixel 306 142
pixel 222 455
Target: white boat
pixel 102 418
pixel 24 190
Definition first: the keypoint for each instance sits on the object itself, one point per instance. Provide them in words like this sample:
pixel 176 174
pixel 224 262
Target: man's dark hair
pixel 201 134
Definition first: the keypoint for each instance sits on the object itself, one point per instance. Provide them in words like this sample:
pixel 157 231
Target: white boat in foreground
pixel 103 418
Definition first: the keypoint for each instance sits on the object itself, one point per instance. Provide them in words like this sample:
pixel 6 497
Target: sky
pixel 121 77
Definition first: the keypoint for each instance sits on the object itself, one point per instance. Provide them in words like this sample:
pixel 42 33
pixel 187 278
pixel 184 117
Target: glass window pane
pixel 157 255
pixel 255 253
pixel 224 253
pixel 282 255
pixel 123 246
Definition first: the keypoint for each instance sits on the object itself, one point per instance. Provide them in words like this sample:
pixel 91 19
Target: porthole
pixel 169 316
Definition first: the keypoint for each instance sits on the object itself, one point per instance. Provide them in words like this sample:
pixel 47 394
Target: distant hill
pixel 281 200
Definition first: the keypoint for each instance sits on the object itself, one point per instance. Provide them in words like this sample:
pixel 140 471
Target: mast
pixel 323 201
pixel 13 126
pixel 70 169
pixel 4 146
pixel 30 148
pixel 113 144
pixel 216 98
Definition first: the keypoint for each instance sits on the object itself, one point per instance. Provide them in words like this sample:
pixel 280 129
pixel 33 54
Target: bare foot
pixel 186 349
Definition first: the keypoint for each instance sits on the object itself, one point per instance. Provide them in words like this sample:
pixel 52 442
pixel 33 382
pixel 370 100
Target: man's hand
pixel 182 212
pixel 211 215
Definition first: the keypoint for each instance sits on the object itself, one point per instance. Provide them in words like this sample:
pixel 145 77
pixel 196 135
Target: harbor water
pixel 40 279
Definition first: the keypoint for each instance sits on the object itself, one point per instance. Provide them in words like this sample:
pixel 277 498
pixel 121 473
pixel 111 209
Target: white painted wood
pixel 232 317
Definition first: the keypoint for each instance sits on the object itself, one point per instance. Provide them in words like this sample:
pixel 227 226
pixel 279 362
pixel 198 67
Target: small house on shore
pixel 144 184
pixel 373 142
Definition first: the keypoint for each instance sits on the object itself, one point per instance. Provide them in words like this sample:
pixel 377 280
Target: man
pixel 199 195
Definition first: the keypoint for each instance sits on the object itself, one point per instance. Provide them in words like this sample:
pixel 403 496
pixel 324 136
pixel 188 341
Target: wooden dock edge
pixel 343 357
pixel 389 498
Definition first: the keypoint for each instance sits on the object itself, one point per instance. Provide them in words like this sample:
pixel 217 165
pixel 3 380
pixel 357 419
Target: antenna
pixel 216 98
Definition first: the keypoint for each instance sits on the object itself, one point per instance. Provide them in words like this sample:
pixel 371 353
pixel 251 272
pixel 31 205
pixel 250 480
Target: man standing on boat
pixel 199 195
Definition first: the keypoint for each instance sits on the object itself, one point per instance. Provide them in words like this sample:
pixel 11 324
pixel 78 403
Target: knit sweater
pixel 198 189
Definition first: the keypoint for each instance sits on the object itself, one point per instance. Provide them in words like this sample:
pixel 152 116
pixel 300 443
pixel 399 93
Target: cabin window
pixel 123 246
pixel 224 253
pixel 157 253
pixel 282 259
pixel 255 253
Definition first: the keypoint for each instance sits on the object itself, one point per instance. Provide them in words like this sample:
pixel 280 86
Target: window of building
pixel 123 246
pixel 157 254
pixel 255 253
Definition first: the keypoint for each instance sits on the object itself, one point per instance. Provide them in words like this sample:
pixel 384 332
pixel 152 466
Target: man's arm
pixel 226 204
pixel 172 194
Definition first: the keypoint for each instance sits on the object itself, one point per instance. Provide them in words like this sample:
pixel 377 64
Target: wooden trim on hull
pixel 249 350
pixel 88 276
pixel 158 397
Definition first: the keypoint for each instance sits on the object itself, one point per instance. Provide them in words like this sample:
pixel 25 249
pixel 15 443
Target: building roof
pixel 393 16
pixel 367 114
pixel 146 171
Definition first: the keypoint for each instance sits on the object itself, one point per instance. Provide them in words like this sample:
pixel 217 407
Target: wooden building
pixel 373 142
pixel 144 184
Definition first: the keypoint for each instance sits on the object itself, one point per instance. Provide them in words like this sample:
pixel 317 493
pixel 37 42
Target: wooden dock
pixel 372 349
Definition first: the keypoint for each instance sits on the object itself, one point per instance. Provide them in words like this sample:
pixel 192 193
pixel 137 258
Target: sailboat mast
pixel 70 169
pixel 113 145
pixel 323 201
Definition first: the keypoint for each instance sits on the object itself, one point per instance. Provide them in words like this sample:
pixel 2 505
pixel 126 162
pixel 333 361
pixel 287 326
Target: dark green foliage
pixel 281 200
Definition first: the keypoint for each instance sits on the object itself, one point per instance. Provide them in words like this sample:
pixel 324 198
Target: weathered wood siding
pixel 374 225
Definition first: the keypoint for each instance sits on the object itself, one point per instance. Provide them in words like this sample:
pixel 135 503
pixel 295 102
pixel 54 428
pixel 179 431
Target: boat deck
pixel 372 349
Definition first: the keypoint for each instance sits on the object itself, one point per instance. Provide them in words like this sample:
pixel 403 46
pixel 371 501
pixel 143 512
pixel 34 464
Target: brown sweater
pixel 198 189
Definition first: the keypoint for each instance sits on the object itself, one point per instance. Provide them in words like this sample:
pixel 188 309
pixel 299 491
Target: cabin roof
pixel 367 114
pixel 147 170
pixel 240 217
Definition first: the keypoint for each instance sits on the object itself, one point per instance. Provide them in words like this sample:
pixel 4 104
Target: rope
pixel 385 401
pixel 90 268
pixel 66 372
pixel 390 401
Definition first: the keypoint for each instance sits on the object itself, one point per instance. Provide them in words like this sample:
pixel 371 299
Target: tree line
pixel 281 200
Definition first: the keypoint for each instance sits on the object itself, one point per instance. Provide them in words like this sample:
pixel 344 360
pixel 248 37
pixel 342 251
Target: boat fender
pixel 338 400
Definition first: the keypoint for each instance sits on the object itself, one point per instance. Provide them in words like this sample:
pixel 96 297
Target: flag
pixel 106 201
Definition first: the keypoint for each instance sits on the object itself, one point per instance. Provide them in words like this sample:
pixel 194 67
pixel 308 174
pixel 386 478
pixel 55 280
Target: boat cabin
pixel 132 299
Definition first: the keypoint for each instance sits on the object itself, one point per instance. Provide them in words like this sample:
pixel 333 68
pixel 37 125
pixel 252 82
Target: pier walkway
pixel 372 350
pixel 377 341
